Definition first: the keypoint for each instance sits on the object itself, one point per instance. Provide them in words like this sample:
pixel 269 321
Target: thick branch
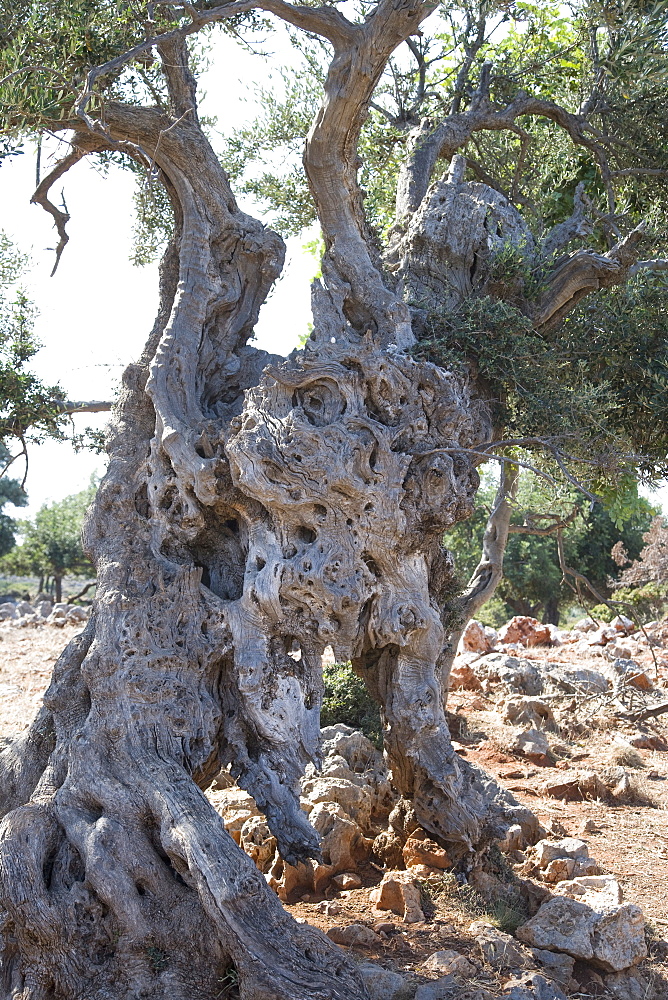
pixel 331 164
pixel 428 144
pixel 577 225
pixel 92 406
pixel 581 273
pixel 489 570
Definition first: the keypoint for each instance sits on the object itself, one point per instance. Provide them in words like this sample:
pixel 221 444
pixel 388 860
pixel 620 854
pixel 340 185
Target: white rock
pixel 595 890
pixel 381 984
pixel 499 950
pixel 532 743
pixel 449 962
pixel 546 851
pixel 611 937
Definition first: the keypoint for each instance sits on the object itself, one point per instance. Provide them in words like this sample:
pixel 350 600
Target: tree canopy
pixel 51 544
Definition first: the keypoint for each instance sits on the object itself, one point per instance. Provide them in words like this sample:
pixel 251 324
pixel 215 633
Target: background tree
pixel 533 582
pixel 51 545
pixel 254 504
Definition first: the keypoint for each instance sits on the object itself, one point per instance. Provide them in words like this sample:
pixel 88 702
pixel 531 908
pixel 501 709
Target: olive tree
pixel 255 506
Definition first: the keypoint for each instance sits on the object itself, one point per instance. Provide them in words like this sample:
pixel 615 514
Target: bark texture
pixel 254 511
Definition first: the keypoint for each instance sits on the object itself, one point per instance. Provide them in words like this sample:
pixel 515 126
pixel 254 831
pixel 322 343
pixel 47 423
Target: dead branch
pixel 41 197
pixel 530 528
pixel 646 713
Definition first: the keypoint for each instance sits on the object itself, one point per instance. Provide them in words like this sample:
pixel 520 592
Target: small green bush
pixel 646 603
pixel 347 700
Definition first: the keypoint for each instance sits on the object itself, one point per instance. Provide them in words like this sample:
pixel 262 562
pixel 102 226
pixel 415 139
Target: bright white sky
pixel 96 312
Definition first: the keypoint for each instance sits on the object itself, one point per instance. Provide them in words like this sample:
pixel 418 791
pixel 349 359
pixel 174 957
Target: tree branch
pixel 577 225
pixel 92 406
pixel 583 272
pixel 529 528
pixel 658 264
pixel 331 163
pixel 489 570
pixel 41 197
pixel 428 144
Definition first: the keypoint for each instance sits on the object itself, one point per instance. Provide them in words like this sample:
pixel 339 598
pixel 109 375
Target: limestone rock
pixel 546 851
pixel 595 890
pixel 440 989
pixel 528 632
pixel 514 839
pixel 77 614
pixel 463 676
pixel 474 639
pixel 235 806
pixel 528 711
pixel 421 850
pixel 342 843
pixel 515 675
pixel 602 636
pixel 576 787
pixel 577 680
pixel 533 986
pixel 399 892
pixel 450 963
pixel 532 744
pixel 628 986
pixel 258 842
pixel 347 880
pixel 354 774
pixel 559 869
pixel 8 611
pixel 555 965
pixel 381 984
pixel 355 936
pixel 611 937
pixel 622 624
pixel 498 949
pixel 388 848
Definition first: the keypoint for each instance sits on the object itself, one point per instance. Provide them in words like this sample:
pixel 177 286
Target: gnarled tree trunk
pixel 252 503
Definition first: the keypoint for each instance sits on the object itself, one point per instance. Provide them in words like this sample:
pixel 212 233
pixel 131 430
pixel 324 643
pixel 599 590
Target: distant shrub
pixel 347 700
pixel 647 603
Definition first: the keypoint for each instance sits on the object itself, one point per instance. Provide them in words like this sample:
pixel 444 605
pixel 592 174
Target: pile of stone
pixel 21 614
pixel 618 640
pixel 577 913
pixel 347 802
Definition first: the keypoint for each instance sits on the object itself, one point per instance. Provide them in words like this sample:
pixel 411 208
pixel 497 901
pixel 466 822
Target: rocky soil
pixel 564 721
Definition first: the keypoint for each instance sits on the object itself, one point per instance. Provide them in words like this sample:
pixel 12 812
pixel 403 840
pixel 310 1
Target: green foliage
pixel 347 700
pixel 532 582
pixel 599 389
pixel 646 603
pixel 51 543
pixel 11 492
pixel 29 409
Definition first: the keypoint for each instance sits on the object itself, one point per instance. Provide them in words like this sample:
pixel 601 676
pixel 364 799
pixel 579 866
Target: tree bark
pixel 254 504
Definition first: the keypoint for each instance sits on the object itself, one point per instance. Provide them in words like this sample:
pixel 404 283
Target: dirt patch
pixel 27 656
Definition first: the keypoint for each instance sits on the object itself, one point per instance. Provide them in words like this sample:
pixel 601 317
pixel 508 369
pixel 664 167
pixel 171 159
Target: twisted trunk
pixel 253 506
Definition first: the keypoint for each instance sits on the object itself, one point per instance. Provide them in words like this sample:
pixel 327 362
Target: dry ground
pixel 631 842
